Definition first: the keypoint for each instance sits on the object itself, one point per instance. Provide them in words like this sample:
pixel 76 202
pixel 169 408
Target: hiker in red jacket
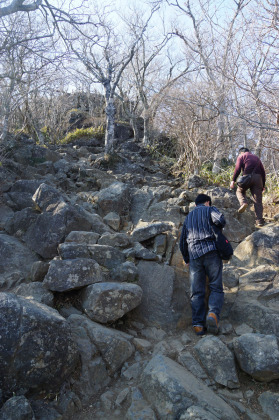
pixel 250 164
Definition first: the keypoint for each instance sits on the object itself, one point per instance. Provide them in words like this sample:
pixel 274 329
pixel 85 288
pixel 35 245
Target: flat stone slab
pixel 172 389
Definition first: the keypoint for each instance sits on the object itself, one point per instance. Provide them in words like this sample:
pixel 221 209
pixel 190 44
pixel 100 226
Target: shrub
pixel 97 132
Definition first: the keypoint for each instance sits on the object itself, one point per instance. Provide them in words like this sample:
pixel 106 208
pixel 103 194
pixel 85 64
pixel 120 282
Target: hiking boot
pixel 260 224
pixel 212 323
pixel 242 208
pixel 199 329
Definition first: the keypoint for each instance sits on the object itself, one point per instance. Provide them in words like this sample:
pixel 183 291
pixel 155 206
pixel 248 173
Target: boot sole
pixel 242 210
pixel 211 326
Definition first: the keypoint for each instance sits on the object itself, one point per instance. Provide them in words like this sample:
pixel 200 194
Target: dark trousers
pixel 257 196
pixel 209 265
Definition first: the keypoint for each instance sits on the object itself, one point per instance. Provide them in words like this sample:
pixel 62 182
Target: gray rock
pixel 113 220
pixel 143 346
pixel 160 244
pixel 33 356
pixel 39 270
pixel 15 263
pixel 127 272
pixel 140 201
pixel 46 410
pixel 218 361
pixel 6 213
pixel 189 362
pixel 115 347
pixel 119 240
pixel 230 276
pixel 20 222
pixel 164 211
pixel 72 250
pixel 172 389
pixel 88 238
pixel 143 233
pixel 21 193
pixel 139 408
pixel 107 302
pixel 65 275
pixel 197 413
pixel 262 319
pixel 142 253
pixel 50 228
pixel 97 224
pixel 116 197
pixel 17 408
pixel 269 403
pixel 157 283
pixel 195 181
pixel 243 329
pixel 107 256
pixel 258 355
pixel 35 290
pixel 262 247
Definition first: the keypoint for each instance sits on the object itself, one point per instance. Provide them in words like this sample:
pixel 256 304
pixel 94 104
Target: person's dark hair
pixel 202 198
pixel 243 150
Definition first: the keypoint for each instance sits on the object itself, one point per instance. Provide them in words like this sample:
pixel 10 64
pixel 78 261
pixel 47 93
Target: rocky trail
pixel 93 276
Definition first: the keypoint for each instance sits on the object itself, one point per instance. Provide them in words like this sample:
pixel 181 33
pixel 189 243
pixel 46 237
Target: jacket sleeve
pixel 217 217
pixel 238 166
pixel 183 245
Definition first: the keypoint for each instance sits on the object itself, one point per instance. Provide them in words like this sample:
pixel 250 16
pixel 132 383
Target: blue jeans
pixel 209 265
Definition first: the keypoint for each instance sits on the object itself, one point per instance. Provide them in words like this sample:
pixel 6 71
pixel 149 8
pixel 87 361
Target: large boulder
pixel 218 361
pixel 258 355
pixel 51 228
pixel 159 306
pixel 262 247
pixel 21 193
pixel 107 302
pixel 115 347
pixel 15 263
pixel 171 390
pixel 148 231
pixel 36 348
pixel 66 275
pixel 116 197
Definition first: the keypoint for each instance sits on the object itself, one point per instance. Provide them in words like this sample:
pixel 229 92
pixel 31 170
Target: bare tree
pixel 212 45
pixel 105 56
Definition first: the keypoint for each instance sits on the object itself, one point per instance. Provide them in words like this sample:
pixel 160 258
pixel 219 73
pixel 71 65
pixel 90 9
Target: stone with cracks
pixel 218 361
pixel 34 357
pixel 172 389
pixel 51 228
pixel 116 197
pixel 115 347
pixel 17 408
pixel 258 355
pixel 65 275
pixel 107 302
pixel 158 301
pixel 262 247
pixel 15 263
pixel 144 233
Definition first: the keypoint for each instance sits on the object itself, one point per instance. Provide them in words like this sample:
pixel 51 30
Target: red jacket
pixel 247 162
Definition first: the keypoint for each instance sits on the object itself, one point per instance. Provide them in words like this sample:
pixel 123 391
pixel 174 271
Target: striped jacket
pixel 197 237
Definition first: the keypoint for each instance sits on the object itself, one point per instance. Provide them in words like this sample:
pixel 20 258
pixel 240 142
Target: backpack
pixel 223 246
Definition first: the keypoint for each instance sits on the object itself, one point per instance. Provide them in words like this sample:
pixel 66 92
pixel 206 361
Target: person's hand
pixel 264 189
pixel 232 185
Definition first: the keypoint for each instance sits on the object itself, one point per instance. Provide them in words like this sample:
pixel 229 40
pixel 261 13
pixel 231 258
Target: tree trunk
pixel 110 125
pixel 220 145
pixel 146 127
pixel 7 109
pixel 134 125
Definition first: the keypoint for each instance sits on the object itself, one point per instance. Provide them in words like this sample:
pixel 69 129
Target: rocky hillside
pixel 94 301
